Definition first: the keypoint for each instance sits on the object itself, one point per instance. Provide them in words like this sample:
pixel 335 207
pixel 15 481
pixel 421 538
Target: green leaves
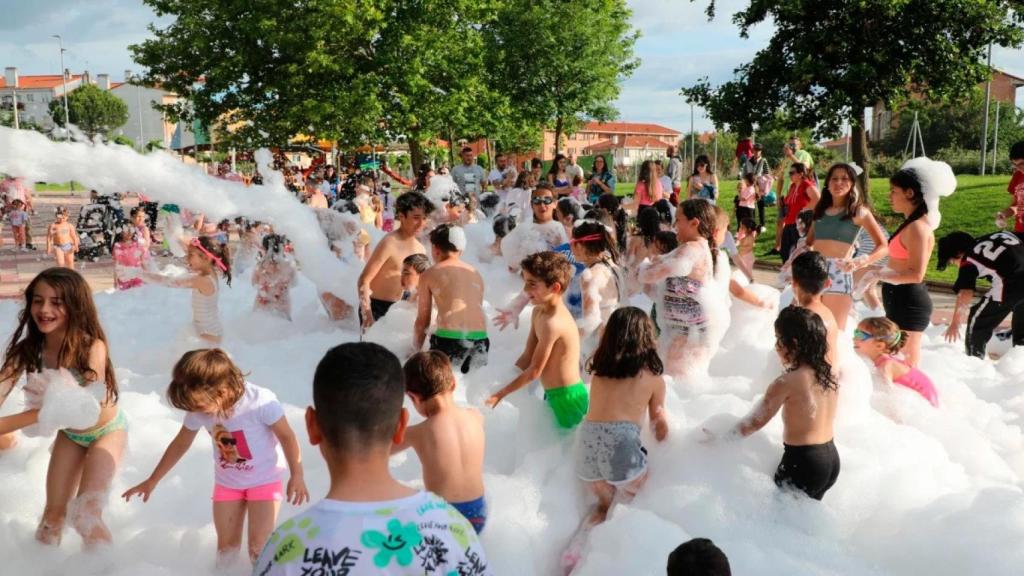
pixel 354 71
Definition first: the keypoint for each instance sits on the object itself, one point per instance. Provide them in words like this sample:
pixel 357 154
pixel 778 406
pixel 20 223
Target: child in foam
pixel 274 278
pixel 682 277
pixel 879 340
pixel 413 266
pixel 810 279
pixel 62 239
pixel 553 347
pixel 807 394
pixel 602 284
pixel 626 389
pixel 129 252
pixel 142 232
pixel 18 217
pixel 82 462
pixel 450 442
pixel 368 523
pixel 458 291
pixel 248 428
pixel 380 284
pixel 205 259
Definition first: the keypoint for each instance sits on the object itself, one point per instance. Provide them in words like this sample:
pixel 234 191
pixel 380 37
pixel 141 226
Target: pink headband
pixel 590 238
pixel 220 263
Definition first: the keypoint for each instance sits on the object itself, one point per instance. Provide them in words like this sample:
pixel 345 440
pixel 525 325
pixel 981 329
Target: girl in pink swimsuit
pixel 129 252
pixel 879 340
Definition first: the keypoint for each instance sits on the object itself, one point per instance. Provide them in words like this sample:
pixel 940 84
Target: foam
pixel 922 490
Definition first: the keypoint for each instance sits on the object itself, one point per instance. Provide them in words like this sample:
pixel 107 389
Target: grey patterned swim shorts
pixel 610 451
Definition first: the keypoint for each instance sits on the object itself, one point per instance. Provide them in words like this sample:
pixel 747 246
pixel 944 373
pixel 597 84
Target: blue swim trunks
pixel 475 511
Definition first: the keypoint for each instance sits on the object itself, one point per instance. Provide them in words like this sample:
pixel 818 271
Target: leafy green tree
pixel 830 59
pixel 93 110
pixel 561 60
pixel 352 71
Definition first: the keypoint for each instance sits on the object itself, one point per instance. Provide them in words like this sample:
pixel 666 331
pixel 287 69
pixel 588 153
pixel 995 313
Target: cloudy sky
pixel 678 46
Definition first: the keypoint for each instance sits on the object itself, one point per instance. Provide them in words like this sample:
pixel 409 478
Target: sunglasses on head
pixel 861 335
pixel 229 441
pixel 545 200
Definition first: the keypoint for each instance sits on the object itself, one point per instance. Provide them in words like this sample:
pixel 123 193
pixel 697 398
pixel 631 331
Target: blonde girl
pixel 251 442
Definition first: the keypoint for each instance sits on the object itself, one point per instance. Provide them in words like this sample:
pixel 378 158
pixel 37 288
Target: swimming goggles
pixel 545 200
pixel 861 335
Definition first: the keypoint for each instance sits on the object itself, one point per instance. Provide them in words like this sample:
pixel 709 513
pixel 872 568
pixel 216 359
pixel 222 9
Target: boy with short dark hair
pixel 553 348
pixel 412 267
pixel 450 442
pixel 698 557
pixel 368 523
pixel 810 279
pixel 458 291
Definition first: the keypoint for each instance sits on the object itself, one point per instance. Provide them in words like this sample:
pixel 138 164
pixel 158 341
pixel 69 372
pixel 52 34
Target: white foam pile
pixel 922 490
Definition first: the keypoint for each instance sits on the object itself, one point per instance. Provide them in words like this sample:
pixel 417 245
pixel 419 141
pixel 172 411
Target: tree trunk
pixel 415 153
pixel 859 150
pixel 559 125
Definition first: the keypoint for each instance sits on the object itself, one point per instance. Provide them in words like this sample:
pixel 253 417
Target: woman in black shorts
pixel 904 292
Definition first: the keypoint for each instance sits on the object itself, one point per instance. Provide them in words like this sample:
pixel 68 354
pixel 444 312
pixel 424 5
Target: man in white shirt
pixel 574 169
pixel 469 176
pixel 502 176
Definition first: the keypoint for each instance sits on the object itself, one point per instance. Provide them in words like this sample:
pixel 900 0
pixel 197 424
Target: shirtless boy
pixel 380 284
pixel 458 291
pixel 810 279
pixel 553 346
pixel 450 442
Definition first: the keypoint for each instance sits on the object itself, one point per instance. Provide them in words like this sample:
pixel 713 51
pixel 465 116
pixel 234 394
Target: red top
pixel 1016 189
pixel 744 146
pixel 795 201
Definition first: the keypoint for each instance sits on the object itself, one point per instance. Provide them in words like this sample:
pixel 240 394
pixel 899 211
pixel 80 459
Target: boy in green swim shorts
pixel 553 346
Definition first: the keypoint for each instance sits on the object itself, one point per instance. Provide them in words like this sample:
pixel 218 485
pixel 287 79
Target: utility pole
pixel 138 104
pixel 64 81
pixel 693 149
pixel 995 140
pixel 988 99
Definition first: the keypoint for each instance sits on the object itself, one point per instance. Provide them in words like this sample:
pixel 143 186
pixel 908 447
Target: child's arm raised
pixel 189 281
pixel 543 344
pixel 295 491
pixel 765 409
pixel 175 450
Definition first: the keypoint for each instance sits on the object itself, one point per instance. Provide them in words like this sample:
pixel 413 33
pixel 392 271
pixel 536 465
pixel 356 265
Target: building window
pixel 30 97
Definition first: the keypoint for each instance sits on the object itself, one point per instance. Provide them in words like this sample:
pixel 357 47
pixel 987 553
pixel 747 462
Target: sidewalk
pixel 18 268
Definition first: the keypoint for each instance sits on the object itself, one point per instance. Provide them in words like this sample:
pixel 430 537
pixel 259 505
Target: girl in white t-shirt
pixel 248 429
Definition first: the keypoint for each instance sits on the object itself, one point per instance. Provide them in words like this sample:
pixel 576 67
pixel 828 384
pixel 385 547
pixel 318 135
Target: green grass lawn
pixel 43 187
pixel 971 209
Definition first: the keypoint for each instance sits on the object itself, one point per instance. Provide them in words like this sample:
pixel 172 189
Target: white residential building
pixel 34 93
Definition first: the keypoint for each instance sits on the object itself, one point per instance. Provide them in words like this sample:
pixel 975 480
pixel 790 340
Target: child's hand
pixel 492 402
pixel 660 429
pixel 296 491
pixel 143 489
pixel 506 317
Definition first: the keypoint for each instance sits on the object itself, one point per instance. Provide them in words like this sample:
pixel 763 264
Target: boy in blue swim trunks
pixel 553 347
pixel 450 442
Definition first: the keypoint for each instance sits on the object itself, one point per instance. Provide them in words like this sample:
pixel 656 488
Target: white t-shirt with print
pixel 246 453
pixel 419 534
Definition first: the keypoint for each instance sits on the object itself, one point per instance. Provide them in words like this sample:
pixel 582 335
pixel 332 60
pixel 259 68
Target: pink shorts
pixel 266 492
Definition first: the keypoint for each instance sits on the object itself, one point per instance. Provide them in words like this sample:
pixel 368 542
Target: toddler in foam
pixel 251 443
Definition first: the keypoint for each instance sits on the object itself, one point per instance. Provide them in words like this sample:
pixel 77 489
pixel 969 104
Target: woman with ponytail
pixel 685 276
pixel 914 191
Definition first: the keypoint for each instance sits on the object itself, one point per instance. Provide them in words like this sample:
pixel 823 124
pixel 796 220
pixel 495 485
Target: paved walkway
pixel 18 268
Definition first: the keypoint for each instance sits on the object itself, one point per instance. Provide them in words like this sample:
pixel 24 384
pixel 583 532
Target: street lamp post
pixel 64 81
pixel 138 104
